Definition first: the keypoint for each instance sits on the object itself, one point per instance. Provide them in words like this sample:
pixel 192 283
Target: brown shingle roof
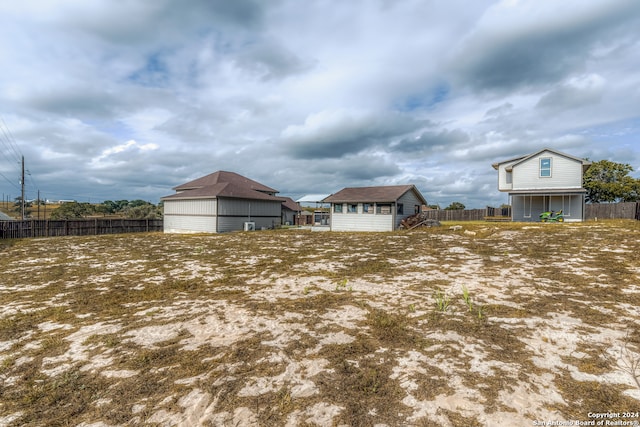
pixel 290 204
pixel 225 177
pixel 224 184
pixel 388 193
pixel 223 189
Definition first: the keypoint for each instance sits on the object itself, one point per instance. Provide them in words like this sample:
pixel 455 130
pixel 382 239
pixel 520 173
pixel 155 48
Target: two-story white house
pixel 543 181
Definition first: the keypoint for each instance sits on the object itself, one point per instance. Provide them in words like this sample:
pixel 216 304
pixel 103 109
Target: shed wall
pixel 410 203
pixel 190 216
pixel 233 213
pixel 361 221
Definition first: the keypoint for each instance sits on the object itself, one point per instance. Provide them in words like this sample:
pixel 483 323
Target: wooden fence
pixel 456 215
pixel 629 210
pixel 82 227
pixel 592 211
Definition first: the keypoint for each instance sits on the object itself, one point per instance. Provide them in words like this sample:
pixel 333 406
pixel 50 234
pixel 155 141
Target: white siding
pixel 190 207
pixel 503 182
pixel 190 216
pixel 361 221
pixel 565 173
pixel 200 216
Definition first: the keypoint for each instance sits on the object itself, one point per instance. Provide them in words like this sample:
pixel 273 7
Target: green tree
pixel 609 182
pixel 73 210
pixel 455 206
pixel 144 211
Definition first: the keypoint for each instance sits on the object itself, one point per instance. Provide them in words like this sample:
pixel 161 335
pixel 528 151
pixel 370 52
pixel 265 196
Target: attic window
pixel 545 167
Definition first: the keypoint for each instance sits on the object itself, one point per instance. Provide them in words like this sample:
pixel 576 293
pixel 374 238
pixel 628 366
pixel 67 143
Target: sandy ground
pixel 457 375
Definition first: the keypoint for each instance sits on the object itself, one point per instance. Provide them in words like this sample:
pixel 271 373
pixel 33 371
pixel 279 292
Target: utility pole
pixel 22 185
pixel 38 204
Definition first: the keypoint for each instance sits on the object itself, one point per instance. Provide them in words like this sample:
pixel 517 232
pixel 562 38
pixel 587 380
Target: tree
pixel 455 206
pixel 72 210
pixel 145 211
pixel 609 182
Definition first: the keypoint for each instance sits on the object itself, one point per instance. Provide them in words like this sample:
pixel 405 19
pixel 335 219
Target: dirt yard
pixel 488 325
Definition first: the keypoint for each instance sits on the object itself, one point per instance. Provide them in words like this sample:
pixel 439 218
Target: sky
pixel 126 99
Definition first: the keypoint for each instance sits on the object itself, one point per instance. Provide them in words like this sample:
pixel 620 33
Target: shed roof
pixel 388 193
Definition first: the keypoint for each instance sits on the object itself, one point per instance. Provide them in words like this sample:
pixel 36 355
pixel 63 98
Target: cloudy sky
pixel 125 99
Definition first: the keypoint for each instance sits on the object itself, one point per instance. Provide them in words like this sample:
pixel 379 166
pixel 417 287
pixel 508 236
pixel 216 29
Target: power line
pixel 10 181
pixel 9 141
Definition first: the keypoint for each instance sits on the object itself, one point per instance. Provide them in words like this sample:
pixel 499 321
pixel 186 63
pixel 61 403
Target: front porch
pixel 527 206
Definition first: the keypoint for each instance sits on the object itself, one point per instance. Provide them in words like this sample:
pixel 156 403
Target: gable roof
pixel 388 193
pixel 518 160
pixel 224 177
pixel 224 184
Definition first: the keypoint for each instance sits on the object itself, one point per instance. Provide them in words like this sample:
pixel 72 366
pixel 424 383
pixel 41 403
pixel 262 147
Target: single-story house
pixel 373 208
pixel 546 180
pixel 220 202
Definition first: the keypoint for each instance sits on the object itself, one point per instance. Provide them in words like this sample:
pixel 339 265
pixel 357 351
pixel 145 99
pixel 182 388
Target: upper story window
pixel 545 167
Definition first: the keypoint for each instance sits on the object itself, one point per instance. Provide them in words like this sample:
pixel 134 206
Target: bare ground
pixel 296 328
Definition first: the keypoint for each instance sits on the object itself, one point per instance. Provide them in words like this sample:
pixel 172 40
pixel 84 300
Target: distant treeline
pixel 130 209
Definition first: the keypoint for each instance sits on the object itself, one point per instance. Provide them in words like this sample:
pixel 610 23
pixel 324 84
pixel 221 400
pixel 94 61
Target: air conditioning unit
pixel 249 226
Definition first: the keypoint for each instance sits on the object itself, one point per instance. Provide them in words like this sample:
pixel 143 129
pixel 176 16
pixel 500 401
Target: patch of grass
pixel 442 300
pixel 57 400
pixel 589 396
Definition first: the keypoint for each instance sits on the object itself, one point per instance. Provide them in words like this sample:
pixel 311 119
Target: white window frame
pixel 544 159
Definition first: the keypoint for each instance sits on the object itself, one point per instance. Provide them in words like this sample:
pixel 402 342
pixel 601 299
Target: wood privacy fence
pixel 456 215
pixel 629 210
pixel 81 227
pixel 592 211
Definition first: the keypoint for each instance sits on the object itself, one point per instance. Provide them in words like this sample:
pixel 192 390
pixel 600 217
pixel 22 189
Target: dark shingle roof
pixel 224 184
pixel 225 177
pixel 388 193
